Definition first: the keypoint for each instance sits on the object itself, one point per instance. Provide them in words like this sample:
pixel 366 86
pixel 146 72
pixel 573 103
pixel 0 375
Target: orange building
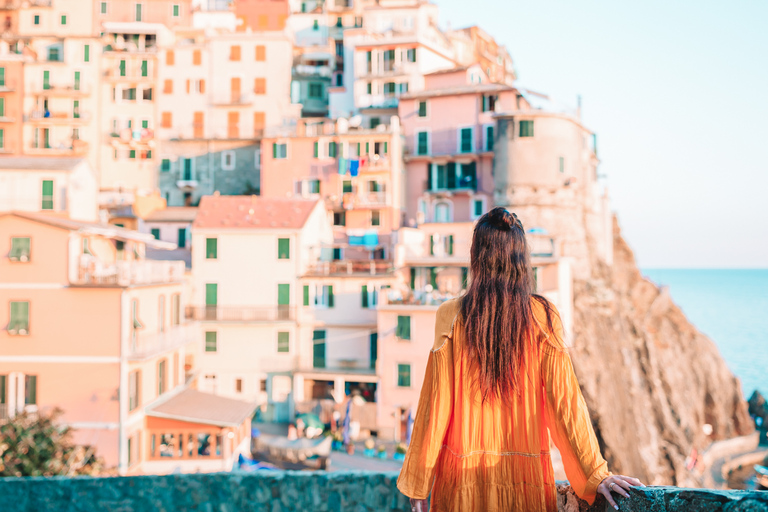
pixel 11 103
pixel 171 13
pixel 92 327
pixel 262 15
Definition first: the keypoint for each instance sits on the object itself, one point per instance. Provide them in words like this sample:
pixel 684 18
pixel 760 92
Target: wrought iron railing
pixel 241 313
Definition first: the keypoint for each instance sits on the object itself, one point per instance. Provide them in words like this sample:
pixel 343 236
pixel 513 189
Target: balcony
pixel 57 117
pixel 351 267
pixel 416 298
pixel 40 3
pixel 232 100
pixel 73 148
pixel 445 144
pixel 10 5
pixel 241 313
pixel 366 200
pixel 61 90
pixel 187 185
pixel 312 71
pixel 135 75
pixel 92 272
pixel 148 344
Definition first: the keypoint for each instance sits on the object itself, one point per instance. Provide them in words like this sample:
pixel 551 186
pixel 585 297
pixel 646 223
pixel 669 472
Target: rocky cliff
pixel 651 380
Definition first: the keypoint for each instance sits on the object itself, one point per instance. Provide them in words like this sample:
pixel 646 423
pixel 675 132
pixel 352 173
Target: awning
pixel 197 407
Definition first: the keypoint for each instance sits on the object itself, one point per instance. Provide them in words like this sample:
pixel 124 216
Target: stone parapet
pixel 311 491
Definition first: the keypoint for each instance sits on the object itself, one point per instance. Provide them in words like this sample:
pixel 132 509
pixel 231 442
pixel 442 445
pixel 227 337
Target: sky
pixel 677 92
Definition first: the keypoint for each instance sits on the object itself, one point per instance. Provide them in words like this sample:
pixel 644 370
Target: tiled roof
pixel 173 214
pixel 454 91
pixel 38 163
pixel 252 212
pixel 197 407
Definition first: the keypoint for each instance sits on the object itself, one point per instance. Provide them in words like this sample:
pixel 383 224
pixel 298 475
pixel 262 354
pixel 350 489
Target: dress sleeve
pixel 432 415
pixel 568 420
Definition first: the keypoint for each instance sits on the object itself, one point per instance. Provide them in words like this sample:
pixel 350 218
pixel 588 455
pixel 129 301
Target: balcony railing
pixel 82 89
pixel 348 267
pixel 8 86
pixel 72 148
pixel 241 313
pixel 449 143
pixel 92 272
pixel 148 344
pixel 308 70
pixel 416 298
pixel 46 116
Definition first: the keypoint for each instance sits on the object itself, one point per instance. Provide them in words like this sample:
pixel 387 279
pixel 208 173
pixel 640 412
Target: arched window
pixel 442 212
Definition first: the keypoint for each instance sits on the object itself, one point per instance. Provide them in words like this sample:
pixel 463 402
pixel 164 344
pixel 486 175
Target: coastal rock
pixel 651 380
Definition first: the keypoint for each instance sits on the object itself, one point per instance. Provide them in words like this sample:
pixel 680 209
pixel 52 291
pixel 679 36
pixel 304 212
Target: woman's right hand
pixel 619 484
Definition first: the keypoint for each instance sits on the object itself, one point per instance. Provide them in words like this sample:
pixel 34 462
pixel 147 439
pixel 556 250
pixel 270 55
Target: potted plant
pixel 382 452
pixel 338 441
pixel 369 445
pixel 400 450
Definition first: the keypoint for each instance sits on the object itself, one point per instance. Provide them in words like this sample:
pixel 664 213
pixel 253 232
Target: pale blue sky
pixel 677 91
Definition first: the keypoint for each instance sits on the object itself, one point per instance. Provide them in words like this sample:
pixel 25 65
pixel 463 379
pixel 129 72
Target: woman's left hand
pixel 419 505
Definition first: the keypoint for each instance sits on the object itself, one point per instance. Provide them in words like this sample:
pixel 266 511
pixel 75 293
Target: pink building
pixel 171 13
pixel 88 325
pixel 449 130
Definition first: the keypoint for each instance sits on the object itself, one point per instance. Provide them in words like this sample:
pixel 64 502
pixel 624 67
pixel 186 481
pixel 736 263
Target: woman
pixel 499 382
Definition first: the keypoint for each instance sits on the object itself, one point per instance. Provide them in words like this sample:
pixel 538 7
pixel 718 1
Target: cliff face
pixel 650 379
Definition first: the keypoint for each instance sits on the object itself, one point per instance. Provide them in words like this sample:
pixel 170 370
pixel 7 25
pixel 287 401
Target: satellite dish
pixel 356 121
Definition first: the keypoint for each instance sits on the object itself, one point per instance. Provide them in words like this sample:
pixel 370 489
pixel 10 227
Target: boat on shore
pixel 294 454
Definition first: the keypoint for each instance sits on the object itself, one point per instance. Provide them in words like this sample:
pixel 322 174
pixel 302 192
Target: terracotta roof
pixel 446 71
pixel 253 212
pixel 39 163
pixel 455 91
pixel 173 214
pixel 197 407
pixel 105 230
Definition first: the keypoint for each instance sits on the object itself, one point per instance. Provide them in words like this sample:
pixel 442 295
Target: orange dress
pixel 494 456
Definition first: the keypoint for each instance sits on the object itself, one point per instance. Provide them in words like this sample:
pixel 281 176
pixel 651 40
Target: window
pixel 197 57
pixel 422 143
pixel 526 128
pixel 332 149
pixel 324 295
pixel 375 121
pixel 339 23
pixel 176 309
pixel 488 103
pixel 211 248
pixel 346 187
pixel 283 341
pixel 562 164
pixel 280 151
pixel 489 138
pixel 211 340
pixel 2 107
pixel 369 88
pixel 452 176
pixel 228 160
pixel 103 7
pixel 138 12
pixel 375 218
pixel 263 385
pixel 283 248
pixel 182 238
pixel 442 212
pixel 318 349
pixel 403 329
pixel 389 88
pixel 133 390
pixel 30 390
pixel 165 165
pixel 46 80
pixel 145 123
pixel 176 10
pixel 165 120
pixel 339 80
pixel 340 218
pixel 238 385
pixel 315 25
pixel 465 140
pixel 369 296
pixel 87 53
pixel 374 348
pixel 19 323
pixel 156 233
pixel 37 19
pixel 403 375
pixel 144 68
pixel 261 53
pixel 187 170
pixel 260 86
pixel 3 389
pixel 411 55
pixel 161 377
pixel 422 109
pixel 315 91
pixel 478 208
pixel 63 19
pixel 47 195
pixel 2 137
pixel 129 94
pixel 448 244
pixel 234 53
pixel 316 150
pixel 20 249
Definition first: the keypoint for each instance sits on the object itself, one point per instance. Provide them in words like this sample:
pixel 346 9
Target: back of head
pixel 496 309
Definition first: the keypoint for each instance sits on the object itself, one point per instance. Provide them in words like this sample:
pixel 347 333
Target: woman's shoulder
pixel 444 323
pixel 547 319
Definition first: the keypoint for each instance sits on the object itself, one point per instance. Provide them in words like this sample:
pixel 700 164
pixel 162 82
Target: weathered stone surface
pixel 651 379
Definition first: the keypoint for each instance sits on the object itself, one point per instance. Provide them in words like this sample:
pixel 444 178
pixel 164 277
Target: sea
pixel 731 307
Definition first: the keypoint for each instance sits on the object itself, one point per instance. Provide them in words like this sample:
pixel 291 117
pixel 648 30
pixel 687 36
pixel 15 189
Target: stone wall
pixel 311 491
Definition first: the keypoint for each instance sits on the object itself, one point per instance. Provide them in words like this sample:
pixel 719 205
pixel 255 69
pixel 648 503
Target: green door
pixel 211 294
pixel 283 301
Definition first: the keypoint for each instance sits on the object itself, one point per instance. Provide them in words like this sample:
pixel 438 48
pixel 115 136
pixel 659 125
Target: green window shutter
pixel 403 330
pixel 283 294
pixel 3 389
pixel 46 79
pixel 165 165
pixel 413 278
pixel 145 123
pixel 2 77
pixel 283 341
pixel 47 195
pixel 77 80
pixel 562 164
pixel 433 277
pixel 63 19
pixel 87 53
pixel 122 68
pixel 211 294
pixel 466 140
pixel 318 349
pixel 182 238
pixel 451 175
pixel 211 248
pixel 306 295
pixel 274 150
pixel 330 296
pixel 211 341
pixel 478 208
pixel 156 233
pixel 176 10
pixel 37 19
pixel 19 316
pixel 526 128
pixel 367 148
pixel 422 109
pixel 20 249
pixel 431 245
pixel 30 389
pixel 386 148
pixel 317 149
pixel 364 296
pixel 464 277
pixel 423 144
pixel 2 138
pixel 332 149
pixel 76 109
pixel 358 149
pixel 404 375
pixel 283 248
pixel 374 344
pixel 346 186
pixel 450 244
pixel 144 68
pixel 132 153
pixel 489 138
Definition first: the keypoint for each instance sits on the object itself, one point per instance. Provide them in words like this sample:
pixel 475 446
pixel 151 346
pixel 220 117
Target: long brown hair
pixel 496 309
